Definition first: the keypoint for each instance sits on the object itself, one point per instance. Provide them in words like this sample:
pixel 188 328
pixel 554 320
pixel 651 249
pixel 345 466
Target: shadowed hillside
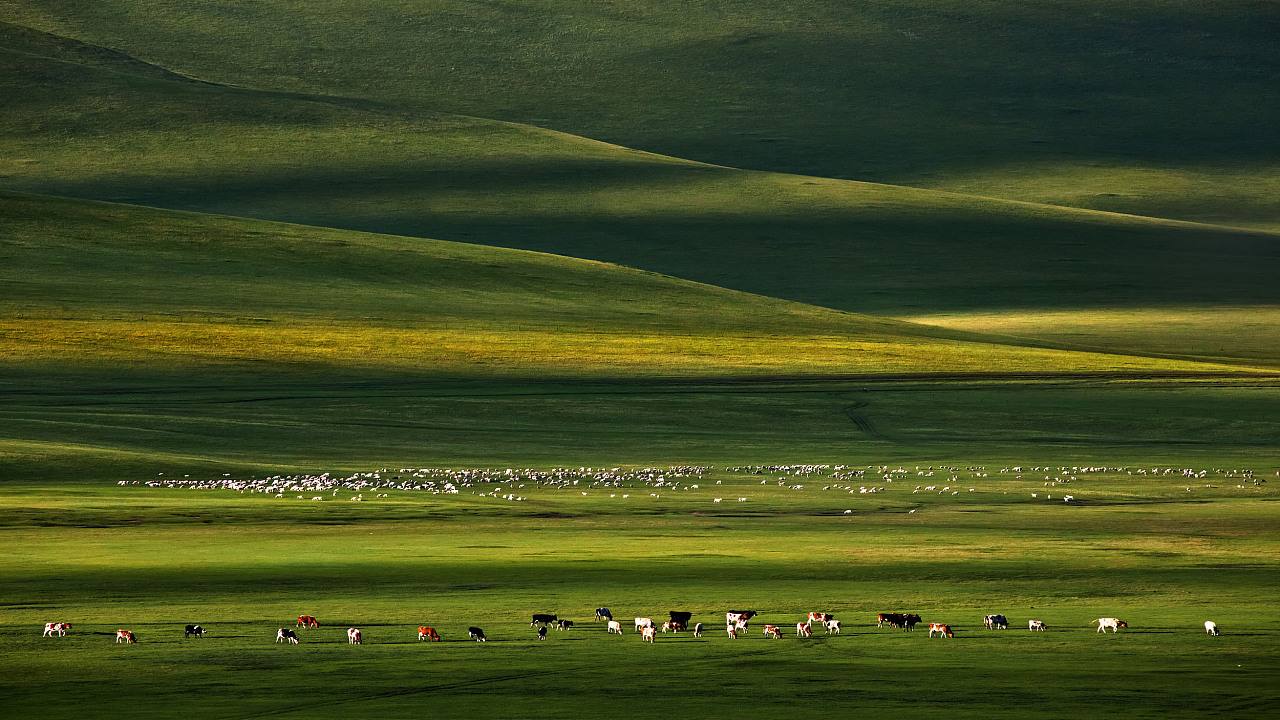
pixel 1148 107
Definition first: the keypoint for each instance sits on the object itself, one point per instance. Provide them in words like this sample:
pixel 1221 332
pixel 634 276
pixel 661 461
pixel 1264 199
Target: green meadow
pixel 1007 272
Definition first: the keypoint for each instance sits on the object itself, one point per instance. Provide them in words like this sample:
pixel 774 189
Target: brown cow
pixel 942 629
pixel 428 633
pixel 308 621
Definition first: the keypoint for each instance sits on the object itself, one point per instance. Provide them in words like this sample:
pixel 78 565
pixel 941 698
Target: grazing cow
pixel 773 632
pixel 820 617
pixel 995 622
pixel 804 629
pixel 603 613
pixel 832 626
pixel 697 630
pixel 542 633
pixel 126 636
pixel 733 631
pixel 56 628
pixel 285 634
pixel 354 637
pixel 195 630
pixel 643 622
pixel 476 634
pixel 308 621
pixel 1036 625
pixel 680 619
pixel 648 634
pixel 564 624
pixel 1211 628
pixel 909 621
pixel 542 618
pixel 1113 623
pixel 615 627
pixel 942 630
pixel 428 633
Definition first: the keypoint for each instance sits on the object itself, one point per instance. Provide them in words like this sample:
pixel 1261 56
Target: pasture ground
pixel 1143 548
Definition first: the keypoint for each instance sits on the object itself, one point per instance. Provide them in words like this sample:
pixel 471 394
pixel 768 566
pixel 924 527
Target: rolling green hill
pixel 85 124
pixel 1144 106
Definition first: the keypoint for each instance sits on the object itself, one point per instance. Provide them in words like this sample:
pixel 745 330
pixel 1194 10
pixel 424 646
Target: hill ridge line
pixel 372 105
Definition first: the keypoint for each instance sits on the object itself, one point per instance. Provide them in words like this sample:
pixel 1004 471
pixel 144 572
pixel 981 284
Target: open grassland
pixel 1138 547
pixel 1141 106
pixel 93 125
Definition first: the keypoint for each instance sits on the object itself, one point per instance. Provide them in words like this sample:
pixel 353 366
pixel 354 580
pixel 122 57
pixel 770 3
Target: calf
pixel 542 618
pixel 564 624
pixel 833 626
pixel 643 622
pixel 733 631
pixel 195 630
pixel 773 632
pixel 354 637
pixel 648 634
pixel 615 627
pixel 667 627
pixel 308 621
pixel 697 630
pixel 286 635
pixel 603 613
pixel 542 633
pixel 942 629
pixel 56 628
pixel 126 636
pixel 1211 628
pixel 476 634
pixel 995 622
pixel 428 633
pixel 1036 625
pixel 1113 623
pixel 804 629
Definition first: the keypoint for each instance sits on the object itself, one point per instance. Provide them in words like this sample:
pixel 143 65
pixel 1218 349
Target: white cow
pixel 56 628
pixel 1037 625
pixel 1211 627
pixel 354 637
pixel 648 634
pixel 1114 624
pixel 643 622
pixel 733 631
pixel 833 627
pixel 615 627
pixel 697 630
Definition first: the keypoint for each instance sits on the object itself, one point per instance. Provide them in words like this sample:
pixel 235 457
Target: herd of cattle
pixel 736 622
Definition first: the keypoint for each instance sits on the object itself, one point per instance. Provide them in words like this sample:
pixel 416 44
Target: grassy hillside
pixel 134 338
pixel 85 124
pixel 1145 106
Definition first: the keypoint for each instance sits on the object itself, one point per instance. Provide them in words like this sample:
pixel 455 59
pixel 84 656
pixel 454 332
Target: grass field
pixel 152 560
pixel 975 257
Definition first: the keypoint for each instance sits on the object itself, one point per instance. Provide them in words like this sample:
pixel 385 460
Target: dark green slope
pixel 1150 107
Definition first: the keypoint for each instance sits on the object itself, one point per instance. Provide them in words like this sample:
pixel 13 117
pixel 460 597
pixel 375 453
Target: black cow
pixel 476 634
pixel 564 624
pixel 542 633
pixel 909 621
pixel 195 630
pixel 680 619
pixel 603 613
pixel 542 618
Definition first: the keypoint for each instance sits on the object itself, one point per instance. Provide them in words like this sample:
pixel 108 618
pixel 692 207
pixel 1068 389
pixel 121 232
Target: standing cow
pixel 995 622
pixel 648 634
pixel 1036 625
pixel 308 621
pixel 697 630
pixel 615 627
pixel 1211 628
pixel 193 630
pixel 832 626
pixel 772 631
pixel 942 629
pixel 643 622
pixel 56 629
pixel 603 613
pixel 542 619
pixel 126 636
pixel 804 629
pixel 286 635
pixel 354 637
pixel 1113 624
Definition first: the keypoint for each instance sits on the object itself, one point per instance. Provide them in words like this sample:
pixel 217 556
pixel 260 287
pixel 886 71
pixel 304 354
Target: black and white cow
pixel 476 634
pixel 564 624
pixel 542 619
pixel 193 630
pixel 603 613
pixel 542 633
